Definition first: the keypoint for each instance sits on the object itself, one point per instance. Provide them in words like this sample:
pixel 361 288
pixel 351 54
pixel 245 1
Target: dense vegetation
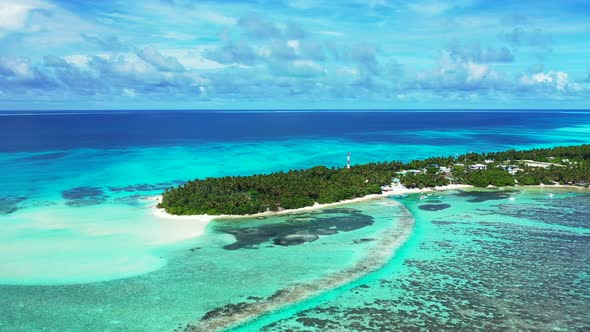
pixel 299 188
pixel 282 190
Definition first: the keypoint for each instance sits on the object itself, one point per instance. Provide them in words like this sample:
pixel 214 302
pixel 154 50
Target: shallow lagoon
pixel 209 276
pixel 485 263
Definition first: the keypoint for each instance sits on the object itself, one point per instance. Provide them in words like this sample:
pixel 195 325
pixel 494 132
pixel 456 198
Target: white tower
pixel 348 161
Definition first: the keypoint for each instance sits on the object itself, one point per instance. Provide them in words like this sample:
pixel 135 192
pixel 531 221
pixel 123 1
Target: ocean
pixel 80 248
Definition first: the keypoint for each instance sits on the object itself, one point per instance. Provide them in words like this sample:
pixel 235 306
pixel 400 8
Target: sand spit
pixel 389 241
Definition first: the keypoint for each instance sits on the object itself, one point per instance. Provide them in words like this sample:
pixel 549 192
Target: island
pixel 279 191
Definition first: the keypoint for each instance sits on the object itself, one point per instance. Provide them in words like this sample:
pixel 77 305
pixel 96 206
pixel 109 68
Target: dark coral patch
pixel 84 196
pixel 484 196
pixel 364 240
pixel 434 207
pixel 298 229
pixel 9 204
pixel 82 192
pixel 147 186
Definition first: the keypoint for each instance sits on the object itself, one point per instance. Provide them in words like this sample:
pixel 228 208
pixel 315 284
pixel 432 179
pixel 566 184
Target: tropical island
pixel 258 193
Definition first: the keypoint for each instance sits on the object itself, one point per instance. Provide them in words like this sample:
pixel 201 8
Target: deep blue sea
pixel 81 247
pixel 41 131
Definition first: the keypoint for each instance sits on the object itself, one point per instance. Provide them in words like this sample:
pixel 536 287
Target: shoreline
pixel 205 218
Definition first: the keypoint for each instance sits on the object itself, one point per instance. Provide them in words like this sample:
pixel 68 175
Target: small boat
pixel 423 197
pixel 428 194
pixel 401 196
pixel 511 198
pixel 550 195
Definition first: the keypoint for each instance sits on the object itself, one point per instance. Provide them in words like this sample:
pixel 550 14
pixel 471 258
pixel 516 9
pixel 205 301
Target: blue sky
pixel 294 54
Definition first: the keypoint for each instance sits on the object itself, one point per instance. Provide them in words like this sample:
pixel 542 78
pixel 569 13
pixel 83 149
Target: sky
pixel 294 54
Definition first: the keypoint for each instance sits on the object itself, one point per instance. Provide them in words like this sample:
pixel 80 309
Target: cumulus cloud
pixel 159 61
pixel 14 14
pixel 553 80
pixel 455 74
pixel 260 58
pixel 122 75
pixel 266 43
pixel 17 74
pixel 14 67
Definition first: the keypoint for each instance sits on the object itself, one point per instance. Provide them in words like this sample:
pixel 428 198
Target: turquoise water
pixel 207 277
pixel 80 248
pixel 482 263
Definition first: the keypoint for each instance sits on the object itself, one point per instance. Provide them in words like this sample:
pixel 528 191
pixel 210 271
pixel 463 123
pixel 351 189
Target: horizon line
pixel 305 110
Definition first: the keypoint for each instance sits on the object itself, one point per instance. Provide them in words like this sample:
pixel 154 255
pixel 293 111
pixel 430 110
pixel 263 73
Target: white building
pixel 513 170
pixel 445 169
pixel 478 167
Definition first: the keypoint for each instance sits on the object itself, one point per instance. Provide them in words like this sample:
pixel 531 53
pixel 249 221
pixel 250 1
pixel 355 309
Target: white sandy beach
pixel 204 219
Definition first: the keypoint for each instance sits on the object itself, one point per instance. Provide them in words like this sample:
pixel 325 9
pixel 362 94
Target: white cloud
pixel 553 79
pixel 14 14
pixel 542 78
pixel 130 64
pixel 15 68
pixel 159 61
pixel 475 72
pixel 79 60
pixel 44 25
pixel 193 59
pixel 561 80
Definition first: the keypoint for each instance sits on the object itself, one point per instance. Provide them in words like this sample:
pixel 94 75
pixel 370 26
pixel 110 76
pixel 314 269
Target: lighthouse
pixel 348 161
